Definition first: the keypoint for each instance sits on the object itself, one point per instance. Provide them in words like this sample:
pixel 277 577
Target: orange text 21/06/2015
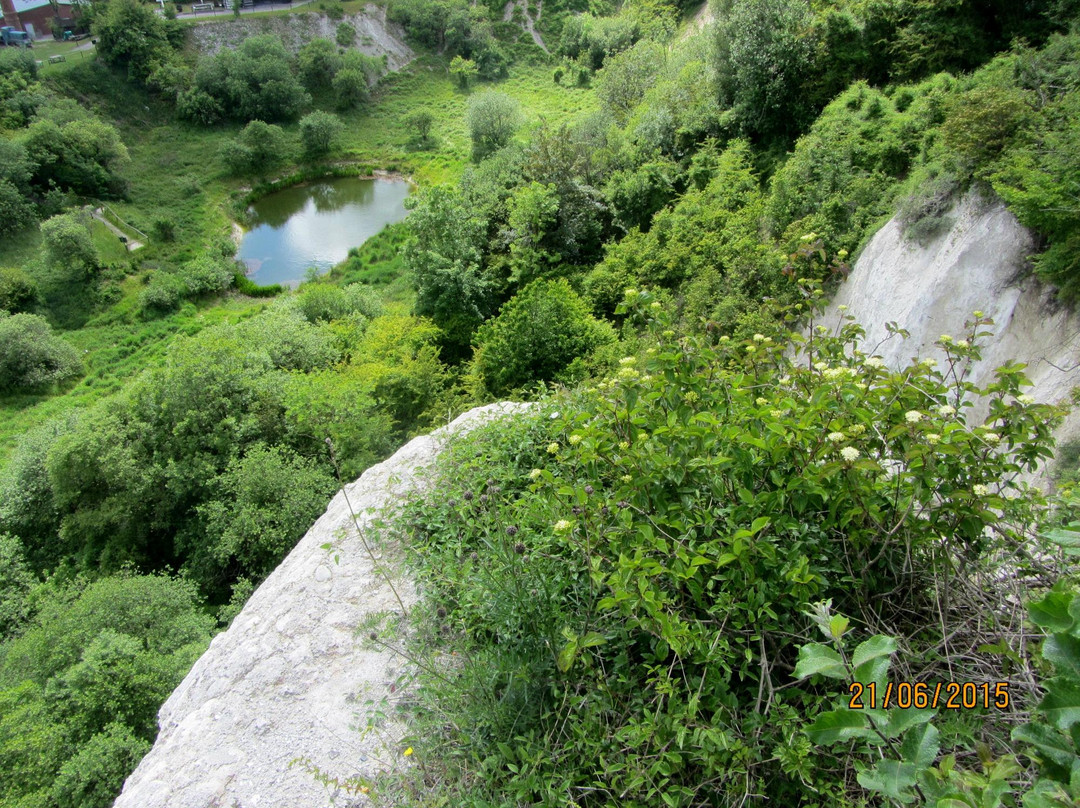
pixel 950 695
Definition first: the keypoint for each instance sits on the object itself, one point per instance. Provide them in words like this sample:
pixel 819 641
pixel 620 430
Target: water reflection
pixel 316 224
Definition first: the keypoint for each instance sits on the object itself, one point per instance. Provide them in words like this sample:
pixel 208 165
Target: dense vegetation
pixel 627 212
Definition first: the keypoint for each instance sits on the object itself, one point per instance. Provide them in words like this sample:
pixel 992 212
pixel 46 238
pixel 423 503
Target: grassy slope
pixel 174 173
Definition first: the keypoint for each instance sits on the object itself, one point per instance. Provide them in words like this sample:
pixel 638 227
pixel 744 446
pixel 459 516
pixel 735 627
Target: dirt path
pixel 529 26
pixel 131 243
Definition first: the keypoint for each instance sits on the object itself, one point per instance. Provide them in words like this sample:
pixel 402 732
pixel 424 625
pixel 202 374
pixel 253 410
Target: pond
pixel 315 225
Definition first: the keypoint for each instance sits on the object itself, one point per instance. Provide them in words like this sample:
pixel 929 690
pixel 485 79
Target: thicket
pixel 639 643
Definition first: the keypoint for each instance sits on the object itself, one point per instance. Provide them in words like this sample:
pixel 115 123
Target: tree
pixel 258 147
pixel 420 122
pixel 16 212
pixel 318 131
pixel 350 88
pixel 534 211
pixel 318 62
pixel 445 257
pixel 69 245
pixel 254 82
pixel 538 333
pixel 131 35
pixel 267 501
pixel 765 64
pixel 492 118
pixel 31 356
pixel 628 75
pixel 464 70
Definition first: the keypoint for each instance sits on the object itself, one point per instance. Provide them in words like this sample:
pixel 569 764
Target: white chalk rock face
pixel 290 680
pixel 980 264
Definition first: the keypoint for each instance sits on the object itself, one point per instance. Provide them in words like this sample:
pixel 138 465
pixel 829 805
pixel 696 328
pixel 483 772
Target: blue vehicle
pixel 11 36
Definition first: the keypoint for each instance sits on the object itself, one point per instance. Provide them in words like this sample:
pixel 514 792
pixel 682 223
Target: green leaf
pixel 1052 611
pixel 902 720
pixel 1049 744
pixel 759 524
pixel 875 670
pixel 567 655
pixel 1067 540
pixel 877 646
pixel 817 658
pixel 592 639
pixel 838 725
pixel 1064 651
pixel 838 626
pixel 920 746
pixel 1061 705
pixel 891 778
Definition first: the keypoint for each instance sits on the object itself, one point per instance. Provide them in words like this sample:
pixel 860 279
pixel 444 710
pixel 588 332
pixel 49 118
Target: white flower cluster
pixel 850 454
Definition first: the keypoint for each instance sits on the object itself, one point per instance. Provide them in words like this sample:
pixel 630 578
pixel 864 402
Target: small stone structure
pixel 288 688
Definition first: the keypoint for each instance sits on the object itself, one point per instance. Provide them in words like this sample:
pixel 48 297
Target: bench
pixel 202 7
pixel 57 58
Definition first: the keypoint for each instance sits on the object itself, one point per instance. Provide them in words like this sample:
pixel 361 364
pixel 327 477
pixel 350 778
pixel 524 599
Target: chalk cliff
pixel 290 681
pixel 931 289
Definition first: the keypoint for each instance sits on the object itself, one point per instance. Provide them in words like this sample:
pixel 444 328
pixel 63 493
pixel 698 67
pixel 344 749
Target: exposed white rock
pixel 290 680
pixel 980 264
pixel 375 35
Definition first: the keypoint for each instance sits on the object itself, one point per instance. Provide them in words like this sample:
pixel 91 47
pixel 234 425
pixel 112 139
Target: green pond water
pixel 315 225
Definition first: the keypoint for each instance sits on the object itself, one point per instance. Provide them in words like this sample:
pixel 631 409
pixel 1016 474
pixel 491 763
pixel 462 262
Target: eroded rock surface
pixel 289 686
pixel 375 35
pixel 980 264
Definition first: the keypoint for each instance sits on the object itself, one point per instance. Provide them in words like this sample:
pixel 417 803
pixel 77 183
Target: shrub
pixel 207 275
pixel 345 35
pixel 318 131
pixel 95 774
pixel 625 612
pixel 536 336
pixel 18 292
pixel 16 212
pixel 162 294
pixel 259 147
pixel 31 356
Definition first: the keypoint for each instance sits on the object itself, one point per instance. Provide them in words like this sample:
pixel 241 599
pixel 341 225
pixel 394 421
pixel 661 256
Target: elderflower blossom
pixel 856 429
pixel 534 474
pixel 624 445
pixel 575 440
pixel 980 490
pixel 819 366
pixel 837 437
pixel 761 402
pixel 759 337
pixel 842 307
pixel 553 448
pixel 963 343
pixel 875 362
pixel 628 360
pixel 776 413
pixel 913 416
pixel 656 304
pixel 1026 399
pixel 667 334
pixel 563 525
pixel 992 437
pixel 933 438
pixel 850 454
pixel 946 410
pixel 626 478
pixel 945 339
pixel 928 362
pixel 627 373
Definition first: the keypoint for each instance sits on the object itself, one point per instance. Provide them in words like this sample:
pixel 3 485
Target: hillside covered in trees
pixel 631 219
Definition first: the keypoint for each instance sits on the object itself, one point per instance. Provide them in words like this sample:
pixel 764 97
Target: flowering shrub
pixel 628 576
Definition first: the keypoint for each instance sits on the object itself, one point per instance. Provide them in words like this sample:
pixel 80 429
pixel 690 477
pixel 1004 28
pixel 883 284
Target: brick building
pixel 36 16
